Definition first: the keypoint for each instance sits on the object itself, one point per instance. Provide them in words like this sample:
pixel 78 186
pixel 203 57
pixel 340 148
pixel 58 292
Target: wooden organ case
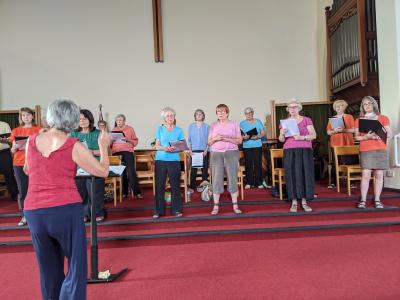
pixel 352 69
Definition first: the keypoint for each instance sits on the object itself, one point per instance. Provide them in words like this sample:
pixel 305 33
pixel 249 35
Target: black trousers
pixel 204 170
pixel 84 187
pixel 253 165
pixel 299 173
pixel 173 170
pixel 128 159
pixel 6 168
pixel 22 182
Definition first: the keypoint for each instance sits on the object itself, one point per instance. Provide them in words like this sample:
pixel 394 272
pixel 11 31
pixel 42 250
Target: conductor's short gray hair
pixel 63 114
pixel 167 109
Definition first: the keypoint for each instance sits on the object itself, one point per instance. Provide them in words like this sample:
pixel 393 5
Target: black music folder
pixel 21 138
pixel 368 125
pixel 179 145
pixel 251 132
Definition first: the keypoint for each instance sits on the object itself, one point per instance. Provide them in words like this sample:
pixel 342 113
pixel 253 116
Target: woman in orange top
pixel 19 137
pixel 373 154
pixel 341 136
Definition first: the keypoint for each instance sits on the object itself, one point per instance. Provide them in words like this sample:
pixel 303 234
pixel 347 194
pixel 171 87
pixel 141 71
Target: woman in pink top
pixel 53 206
pixel 223 138
pixel 298 158
pixel 125 147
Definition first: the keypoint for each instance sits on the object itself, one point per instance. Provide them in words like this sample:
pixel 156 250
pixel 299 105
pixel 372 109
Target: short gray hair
pixel 63 114
pixel 340 101
pixel 167 109
pixel 121 116
pixel 248 110
pixel 294 101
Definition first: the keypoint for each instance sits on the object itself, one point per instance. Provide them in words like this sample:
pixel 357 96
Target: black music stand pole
pixel 94 250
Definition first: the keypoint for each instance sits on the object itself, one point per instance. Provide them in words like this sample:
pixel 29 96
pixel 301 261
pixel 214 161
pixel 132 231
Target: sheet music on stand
pixel 117 170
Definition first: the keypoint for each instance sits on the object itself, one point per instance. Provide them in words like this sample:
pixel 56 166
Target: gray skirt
pixel 374 160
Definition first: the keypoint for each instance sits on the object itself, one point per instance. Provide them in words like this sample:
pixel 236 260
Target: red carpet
pixel 310 262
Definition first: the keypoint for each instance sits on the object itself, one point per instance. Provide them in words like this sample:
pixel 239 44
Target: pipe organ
pixel 352 49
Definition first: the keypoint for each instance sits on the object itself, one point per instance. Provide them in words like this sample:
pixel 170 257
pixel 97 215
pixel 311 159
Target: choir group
pixel 42 160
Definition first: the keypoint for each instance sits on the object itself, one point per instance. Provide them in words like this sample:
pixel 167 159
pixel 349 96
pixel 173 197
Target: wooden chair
pixel 241 173
pixel 343 171
pixel 145 176
pixel 114 183
pixel 277 173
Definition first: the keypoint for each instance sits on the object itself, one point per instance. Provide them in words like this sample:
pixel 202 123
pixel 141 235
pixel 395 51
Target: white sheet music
pixel 116 169
pixel 291 126
pixel 197 159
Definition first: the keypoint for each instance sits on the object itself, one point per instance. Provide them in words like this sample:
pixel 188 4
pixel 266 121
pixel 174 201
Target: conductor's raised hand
pixel 104 140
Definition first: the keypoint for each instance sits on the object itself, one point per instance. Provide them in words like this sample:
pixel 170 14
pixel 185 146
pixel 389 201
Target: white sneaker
pixel 261 186
pixel 22 222
pixel 247 187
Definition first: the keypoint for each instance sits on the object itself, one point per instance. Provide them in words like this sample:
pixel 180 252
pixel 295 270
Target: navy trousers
pixel 59 232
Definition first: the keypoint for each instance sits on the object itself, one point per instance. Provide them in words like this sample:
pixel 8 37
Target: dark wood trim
pixel 157 32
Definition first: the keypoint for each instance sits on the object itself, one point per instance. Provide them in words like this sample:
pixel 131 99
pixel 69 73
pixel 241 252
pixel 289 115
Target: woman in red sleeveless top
pixel 53 206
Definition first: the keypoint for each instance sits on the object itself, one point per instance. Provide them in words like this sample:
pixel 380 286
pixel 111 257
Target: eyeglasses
pixel 292 107
pixel 367 103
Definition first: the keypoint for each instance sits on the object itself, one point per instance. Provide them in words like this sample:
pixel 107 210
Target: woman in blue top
pixel 167 163
pixel 198 143
pixel 252 148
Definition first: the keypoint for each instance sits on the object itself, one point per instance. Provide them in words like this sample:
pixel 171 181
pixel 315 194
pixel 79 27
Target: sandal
pixel 362 204
pixel 99 219
pixel 215 210
pixel 236 209
pixel 378 204
pixel 306 207
pixel 293 207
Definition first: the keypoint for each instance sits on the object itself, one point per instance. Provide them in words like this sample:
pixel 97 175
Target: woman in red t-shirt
pixel 53 205
pixel 373 151
pixel 18 137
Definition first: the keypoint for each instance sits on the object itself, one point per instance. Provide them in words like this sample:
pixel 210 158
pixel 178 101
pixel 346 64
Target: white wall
pixel 388 27
pixel 216 51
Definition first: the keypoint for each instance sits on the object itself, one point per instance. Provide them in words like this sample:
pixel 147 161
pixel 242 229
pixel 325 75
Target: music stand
pixel 94 250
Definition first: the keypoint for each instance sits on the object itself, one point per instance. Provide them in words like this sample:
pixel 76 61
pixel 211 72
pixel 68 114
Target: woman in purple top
pixel 298 158
pixel 223 138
